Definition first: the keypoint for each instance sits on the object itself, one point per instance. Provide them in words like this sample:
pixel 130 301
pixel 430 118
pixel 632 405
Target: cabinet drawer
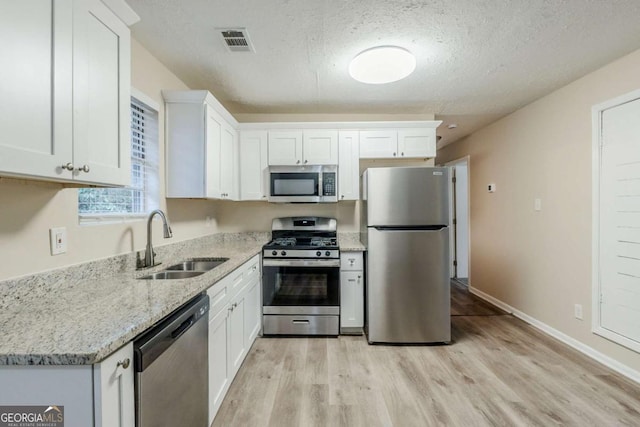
pixel 300 325
pixel 351 261
pixel 251 269
pixel 218 297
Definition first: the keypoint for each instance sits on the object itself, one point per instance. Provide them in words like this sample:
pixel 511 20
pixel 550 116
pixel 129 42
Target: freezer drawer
pixel 408 286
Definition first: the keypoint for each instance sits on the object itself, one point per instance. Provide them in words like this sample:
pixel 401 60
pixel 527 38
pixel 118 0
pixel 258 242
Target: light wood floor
pixel 498 371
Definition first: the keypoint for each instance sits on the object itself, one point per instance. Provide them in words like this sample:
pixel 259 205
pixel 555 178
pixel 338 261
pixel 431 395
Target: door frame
pixel 453 238
pixel 596 153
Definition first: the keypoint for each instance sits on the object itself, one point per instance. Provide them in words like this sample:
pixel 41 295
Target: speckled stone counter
pixel 81 314
pixel 350 242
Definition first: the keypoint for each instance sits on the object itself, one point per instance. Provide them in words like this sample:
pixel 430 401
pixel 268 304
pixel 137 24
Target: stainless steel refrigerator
pixel 405 217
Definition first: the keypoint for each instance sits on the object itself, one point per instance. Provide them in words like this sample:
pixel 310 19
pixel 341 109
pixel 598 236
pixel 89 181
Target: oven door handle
pixel 301 263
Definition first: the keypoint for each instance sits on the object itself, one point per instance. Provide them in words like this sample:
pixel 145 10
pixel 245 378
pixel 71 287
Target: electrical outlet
pixel 491 188
pixel 577 311
pixel 58 240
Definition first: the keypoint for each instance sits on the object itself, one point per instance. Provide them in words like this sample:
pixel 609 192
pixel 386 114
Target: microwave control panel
pixel 329 184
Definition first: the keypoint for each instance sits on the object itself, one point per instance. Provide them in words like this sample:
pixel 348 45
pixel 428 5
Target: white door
pixel 320 147
pixel 36 76
pixel 213 152
pixel 378 144
pixel 227 161
pixel 417 143
pixel 351 299
pixel 349 165
pixel 285 148
pixel 619 210
pixel 114 394
pixel 101 95
pixel 253 165
pixel 218 361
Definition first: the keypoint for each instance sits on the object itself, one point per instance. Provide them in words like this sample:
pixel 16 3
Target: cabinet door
pixel 285 148
pixel 101 95
pixel 378 144
pixel 114 392
pixel 349 166
pixel 219 378
pixel 227 161
pixel 417 143
pixel 252 313
pixel 236 342
pixel 320 147
pixel 35 84
pixel 213 152
pixel 351 299
pixel 253 165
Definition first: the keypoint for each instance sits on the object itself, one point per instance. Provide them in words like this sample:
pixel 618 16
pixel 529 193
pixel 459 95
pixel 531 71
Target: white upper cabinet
pixel 308 147
pixel 64 107
pixel 403 143
pixel 285 148
pixel 201 147
pixel 320 147
pixel 349 166
pixel 253 165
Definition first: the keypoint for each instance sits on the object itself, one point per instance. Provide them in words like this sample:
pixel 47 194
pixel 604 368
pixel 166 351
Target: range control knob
pixel 283 253
pixel 327 253
pixel 274 253
pixel 318 253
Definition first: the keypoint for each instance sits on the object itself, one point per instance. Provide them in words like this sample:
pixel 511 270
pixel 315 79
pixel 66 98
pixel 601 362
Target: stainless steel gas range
pixel 301 277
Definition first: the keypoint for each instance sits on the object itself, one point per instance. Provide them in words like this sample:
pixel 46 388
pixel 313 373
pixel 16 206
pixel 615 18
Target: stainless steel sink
pixel 164 275
pixel 197 265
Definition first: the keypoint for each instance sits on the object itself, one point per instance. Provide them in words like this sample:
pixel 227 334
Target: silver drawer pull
pixel 124 363
pixel 300 321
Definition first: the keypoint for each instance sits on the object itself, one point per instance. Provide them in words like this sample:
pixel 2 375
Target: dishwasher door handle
pixel 175 334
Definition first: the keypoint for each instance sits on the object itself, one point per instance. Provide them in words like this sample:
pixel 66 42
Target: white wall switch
pixel 491 188
pixel 537 204
pixel 58 240
pixel 577 311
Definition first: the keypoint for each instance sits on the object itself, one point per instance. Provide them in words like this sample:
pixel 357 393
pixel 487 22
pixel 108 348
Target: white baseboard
pixel 609 362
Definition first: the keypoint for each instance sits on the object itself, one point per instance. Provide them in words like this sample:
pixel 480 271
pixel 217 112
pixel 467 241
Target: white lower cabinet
pixel 351 293
pixel 113 388
pixel 233 326
pixel 100 395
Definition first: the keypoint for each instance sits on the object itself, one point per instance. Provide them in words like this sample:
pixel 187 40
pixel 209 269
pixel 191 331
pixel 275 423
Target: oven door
pixel 301 286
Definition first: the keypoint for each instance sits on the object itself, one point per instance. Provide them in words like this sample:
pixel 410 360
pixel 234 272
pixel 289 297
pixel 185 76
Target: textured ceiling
pixel 477 59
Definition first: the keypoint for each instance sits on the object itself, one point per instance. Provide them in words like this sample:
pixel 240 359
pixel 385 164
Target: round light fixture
pixel 382 64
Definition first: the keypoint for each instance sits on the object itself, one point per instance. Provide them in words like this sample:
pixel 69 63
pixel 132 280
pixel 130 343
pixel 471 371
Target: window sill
pixel 105 219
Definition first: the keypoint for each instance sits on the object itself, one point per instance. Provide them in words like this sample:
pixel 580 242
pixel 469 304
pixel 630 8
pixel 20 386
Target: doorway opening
pixel 459 220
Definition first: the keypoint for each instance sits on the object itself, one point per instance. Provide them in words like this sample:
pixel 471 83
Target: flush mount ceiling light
pixel 382 64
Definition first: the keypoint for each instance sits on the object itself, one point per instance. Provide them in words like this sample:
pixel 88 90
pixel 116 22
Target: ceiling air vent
pixel 236 39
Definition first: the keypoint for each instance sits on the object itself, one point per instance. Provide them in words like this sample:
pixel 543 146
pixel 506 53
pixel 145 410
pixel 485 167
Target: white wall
pixel 540 262
pixel 29 208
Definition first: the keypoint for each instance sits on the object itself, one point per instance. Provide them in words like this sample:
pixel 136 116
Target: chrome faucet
pixel 149 255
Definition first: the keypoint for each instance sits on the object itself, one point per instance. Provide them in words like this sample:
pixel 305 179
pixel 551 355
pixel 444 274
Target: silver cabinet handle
pixel 124 363
pixel 68 166
pixel 306 161
pixel 84 168
pixel 342 197
pixel 297 162
pixel 300 321
pixel 394 154
pixel 402 154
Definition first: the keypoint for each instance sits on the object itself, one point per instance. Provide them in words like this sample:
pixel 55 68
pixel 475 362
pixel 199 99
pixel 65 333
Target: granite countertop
pixel 81 314
pixel 350 242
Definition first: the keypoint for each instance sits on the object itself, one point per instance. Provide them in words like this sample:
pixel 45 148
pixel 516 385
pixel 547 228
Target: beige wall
pixel 29 208
pixel 540 262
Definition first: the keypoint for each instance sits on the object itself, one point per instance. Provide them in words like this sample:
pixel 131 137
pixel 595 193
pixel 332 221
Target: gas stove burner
pixel 285 241
pixel 322 241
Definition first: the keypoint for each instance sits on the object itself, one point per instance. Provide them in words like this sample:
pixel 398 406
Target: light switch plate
pixel 491 188
pixel 58 240
pixel 537 204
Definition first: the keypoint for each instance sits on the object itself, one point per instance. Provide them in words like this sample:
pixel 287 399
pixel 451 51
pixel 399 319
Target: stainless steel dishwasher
pixel 171 380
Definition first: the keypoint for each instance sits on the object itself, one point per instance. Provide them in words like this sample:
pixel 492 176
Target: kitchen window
pixel 98 205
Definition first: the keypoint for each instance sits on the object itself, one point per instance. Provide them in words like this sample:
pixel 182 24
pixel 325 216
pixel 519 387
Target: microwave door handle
pixel 320 187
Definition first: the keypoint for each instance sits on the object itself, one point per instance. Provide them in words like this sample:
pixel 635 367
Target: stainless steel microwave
pixel 303 184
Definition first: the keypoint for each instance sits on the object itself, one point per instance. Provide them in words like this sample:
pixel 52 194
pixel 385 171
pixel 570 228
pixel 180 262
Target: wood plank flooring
pixel 498 371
